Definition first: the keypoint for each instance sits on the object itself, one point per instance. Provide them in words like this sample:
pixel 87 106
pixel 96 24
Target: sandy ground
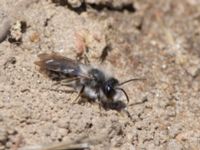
pixel 156 40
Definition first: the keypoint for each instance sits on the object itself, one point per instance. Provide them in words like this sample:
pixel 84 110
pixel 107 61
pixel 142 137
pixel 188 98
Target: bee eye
pixel 108 88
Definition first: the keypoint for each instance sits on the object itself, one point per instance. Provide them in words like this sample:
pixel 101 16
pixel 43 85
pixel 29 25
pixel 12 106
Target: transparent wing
pixel 58 67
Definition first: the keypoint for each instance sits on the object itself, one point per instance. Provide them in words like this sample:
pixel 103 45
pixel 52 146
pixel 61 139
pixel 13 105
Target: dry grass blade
pixel 59 146
pixel 67 146
pixel 82 143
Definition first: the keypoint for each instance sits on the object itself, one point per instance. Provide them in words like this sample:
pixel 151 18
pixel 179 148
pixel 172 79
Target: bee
pixel 87 81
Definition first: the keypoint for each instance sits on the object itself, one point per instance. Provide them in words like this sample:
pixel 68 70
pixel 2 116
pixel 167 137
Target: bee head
pixel 109 87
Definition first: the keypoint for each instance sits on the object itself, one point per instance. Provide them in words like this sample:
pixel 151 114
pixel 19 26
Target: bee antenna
pixel 120 89
pixel 130 80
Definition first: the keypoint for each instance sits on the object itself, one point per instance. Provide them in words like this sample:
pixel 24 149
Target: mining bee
pixel 87 81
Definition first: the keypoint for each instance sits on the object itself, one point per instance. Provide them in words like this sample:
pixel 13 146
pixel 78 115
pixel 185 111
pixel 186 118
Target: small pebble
pixel 4 26
pixel 3 135
pixel 75 3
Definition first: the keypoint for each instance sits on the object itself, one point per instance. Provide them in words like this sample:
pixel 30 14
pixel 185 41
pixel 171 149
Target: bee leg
pixel 79 94
pixel 67 82
pixel 56 83
pixel 59 90
pixel 86 60
pixel 98 96
pixel 98 99
pixel 125 113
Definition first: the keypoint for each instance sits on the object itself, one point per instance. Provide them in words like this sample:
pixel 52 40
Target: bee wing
pixel 59 67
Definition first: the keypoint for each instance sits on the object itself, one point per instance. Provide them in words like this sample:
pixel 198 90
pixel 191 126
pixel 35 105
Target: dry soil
pixel 157 40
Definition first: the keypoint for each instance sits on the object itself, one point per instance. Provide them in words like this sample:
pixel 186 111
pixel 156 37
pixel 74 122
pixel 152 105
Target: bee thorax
pixel 90 93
